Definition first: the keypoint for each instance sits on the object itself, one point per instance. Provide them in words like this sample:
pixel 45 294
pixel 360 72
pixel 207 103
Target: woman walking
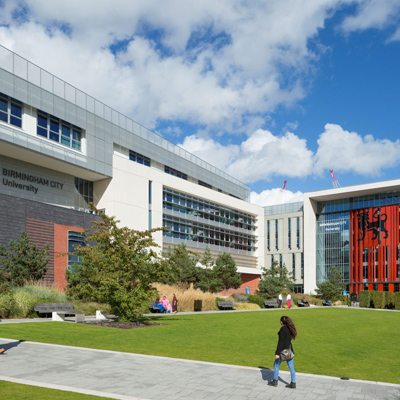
pixel 286 334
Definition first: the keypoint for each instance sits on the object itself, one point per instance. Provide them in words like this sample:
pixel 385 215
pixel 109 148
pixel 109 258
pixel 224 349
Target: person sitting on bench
pixel 159 305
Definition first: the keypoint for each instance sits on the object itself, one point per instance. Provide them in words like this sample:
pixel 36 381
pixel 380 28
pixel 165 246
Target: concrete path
pixel 139 377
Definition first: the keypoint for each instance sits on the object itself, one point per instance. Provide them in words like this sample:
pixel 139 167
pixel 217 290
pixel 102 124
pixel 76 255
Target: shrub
pixel 246 306
pixel 389 300
pixel 365 298
pixel 379 299
pixel 344 300
pixel 25 302
pixel 397 300
pixel 44 294
pixel 252 298
pixel 7 303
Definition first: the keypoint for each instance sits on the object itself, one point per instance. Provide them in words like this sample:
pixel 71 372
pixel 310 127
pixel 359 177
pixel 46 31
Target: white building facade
pixel 61 149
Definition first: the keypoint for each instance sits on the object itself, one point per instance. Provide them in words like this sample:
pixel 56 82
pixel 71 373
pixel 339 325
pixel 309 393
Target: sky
pixel 265 90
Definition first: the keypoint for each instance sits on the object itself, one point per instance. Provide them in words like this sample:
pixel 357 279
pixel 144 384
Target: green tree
pixel 274 280
pixel 333 285
pixel 23 261
pixel 183 263
pixel 119 266
pixel 208 282
pixel 225 273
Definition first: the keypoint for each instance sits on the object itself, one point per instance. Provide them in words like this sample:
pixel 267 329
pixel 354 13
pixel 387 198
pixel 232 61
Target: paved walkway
pixel 139 377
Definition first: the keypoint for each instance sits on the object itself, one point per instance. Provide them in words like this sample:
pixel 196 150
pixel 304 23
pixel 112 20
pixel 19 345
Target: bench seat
pixel 226 305
pixel 271 303
pixel 59 311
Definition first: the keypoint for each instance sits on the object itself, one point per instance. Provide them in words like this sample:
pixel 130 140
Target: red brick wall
pixel 249 280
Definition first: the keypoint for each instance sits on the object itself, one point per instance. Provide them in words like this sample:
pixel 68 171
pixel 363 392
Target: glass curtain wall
pixel 333 245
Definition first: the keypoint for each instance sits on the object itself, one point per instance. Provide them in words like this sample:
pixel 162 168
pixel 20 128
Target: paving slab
pixel 130 376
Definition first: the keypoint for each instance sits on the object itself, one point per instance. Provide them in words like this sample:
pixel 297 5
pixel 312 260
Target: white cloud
pixel 372 14
pixel 275 196
pixel 346 151
pixel 260 157
pixel 395 37
pixel 163 72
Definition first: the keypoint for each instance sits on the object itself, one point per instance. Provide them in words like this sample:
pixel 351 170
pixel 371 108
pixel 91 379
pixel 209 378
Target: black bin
pixel 197 305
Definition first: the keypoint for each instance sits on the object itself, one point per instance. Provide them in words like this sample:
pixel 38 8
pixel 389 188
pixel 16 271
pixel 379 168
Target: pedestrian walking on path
pixel 288 300
pixel 286 334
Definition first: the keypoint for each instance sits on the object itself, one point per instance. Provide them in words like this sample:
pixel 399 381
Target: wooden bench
pixel 153 308
pixel 226 305
pixel 302 303
pixel 271 303
pixel 59 311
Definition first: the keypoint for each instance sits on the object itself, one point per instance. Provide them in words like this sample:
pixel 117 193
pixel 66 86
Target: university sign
pixel 11 178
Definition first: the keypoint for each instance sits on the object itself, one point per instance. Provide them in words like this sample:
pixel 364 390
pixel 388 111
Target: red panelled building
pixel 374 248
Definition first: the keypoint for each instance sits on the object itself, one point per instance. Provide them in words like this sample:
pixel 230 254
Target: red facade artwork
pixel 374 248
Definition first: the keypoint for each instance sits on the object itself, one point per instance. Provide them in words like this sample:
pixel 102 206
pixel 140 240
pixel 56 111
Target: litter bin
pixel 197 305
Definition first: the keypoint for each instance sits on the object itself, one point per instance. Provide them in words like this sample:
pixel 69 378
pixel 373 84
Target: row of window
pixel 194 206
pixel 48 126
pixel 192 231
pixel 289 234
pixel 58 130
pixel 280 262
pixel 175 172
pixel 139 158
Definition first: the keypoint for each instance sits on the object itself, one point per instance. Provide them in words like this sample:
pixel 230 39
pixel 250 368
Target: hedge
pixel 252 298
pixel 389 300
pixel 397 300
pixel 365 298
pixel 379 299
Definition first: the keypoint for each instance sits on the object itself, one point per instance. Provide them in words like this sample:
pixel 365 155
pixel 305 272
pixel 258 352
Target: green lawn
pixel 359 344
pixel 15 391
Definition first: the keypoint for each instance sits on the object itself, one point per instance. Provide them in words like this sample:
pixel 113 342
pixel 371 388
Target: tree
pixel 183 263
pixel 333 285
pixel 119 266
pixel 208 282
pixel 225 273
pixel 24 262
pixel 274 280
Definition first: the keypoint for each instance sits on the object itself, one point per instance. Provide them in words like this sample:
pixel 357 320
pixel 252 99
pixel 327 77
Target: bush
pixel 389 300
pixel 44 294
pixel 7 304
pixel 344 300
pixel 397 301
pixel 246 306
pixel 365 298
pixel 379 299
pixel 252 298
pixel 25 302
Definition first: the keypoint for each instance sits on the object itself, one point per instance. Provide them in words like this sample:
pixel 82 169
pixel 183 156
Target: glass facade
pixel 83 194
pixel 333 245
pixel 193 219
pixel 139 158
pixel 355 203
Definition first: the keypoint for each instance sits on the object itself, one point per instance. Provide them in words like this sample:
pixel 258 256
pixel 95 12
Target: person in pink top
pixel 167 305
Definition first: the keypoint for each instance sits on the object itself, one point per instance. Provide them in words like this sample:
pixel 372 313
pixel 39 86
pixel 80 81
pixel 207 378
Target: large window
pixel 58 130
pixel 10 111
pixel 139 158
pixel 74 239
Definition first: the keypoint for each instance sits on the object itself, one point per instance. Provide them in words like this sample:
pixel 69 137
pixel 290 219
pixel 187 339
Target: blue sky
pixel 267 91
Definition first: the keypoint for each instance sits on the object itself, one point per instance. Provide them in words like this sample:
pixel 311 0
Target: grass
pixel 359 344
pixel 16 391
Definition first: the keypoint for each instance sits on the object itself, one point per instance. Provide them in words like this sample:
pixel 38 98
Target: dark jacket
pixel 285 340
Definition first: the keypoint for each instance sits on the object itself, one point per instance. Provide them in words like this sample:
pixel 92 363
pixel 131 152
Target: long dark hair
pixel 289 323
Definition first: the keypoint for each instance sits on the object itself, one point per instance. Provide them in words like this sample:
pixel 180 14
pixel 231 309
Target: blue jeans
pixel 290 364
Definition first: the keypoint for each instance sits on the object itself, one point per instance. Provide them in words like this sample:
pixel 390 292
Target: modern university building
pixel 61 149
